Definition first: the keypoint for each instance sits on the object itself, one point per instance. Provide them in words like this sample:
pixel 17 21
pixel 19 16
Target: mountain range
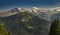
pixel 24 23
pixel 40 12
pixel 34 21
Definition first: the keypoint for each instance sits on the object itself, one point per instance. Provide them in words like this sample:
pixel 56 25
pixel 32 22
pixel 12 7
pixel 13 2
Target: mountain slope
pixel 9 13
pixel 55 16
pixel 25 23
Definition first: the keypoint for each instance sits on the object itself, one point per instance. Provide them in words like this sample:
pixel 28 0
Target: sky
pixel 9 4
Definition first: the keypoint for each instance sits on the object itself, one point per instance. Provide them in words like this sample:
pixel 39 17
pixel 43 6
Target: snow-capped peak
pixel 22 9
pixel 56 9
pixel 35 8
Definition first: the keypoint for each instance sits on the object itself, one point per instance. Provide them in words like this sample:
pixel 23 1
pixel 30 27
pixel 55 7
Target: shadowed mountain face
pixel 21 21
pixel 55 16
pixel 25 23
pixel 43 15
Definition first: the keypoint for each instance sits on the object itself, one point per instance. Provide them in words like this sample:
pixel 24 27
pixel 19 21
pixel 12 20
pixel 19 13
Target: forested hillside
pixel 55 27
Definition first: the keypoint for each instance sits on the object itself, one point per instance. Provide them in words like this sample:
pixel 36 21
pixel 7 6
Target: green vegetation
pixel 3 31
pixel 55 27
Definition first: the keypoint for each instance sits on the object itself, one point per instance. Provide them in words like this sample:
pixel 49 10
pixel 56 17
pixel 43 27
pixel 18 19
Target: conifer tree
pixel 55 27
